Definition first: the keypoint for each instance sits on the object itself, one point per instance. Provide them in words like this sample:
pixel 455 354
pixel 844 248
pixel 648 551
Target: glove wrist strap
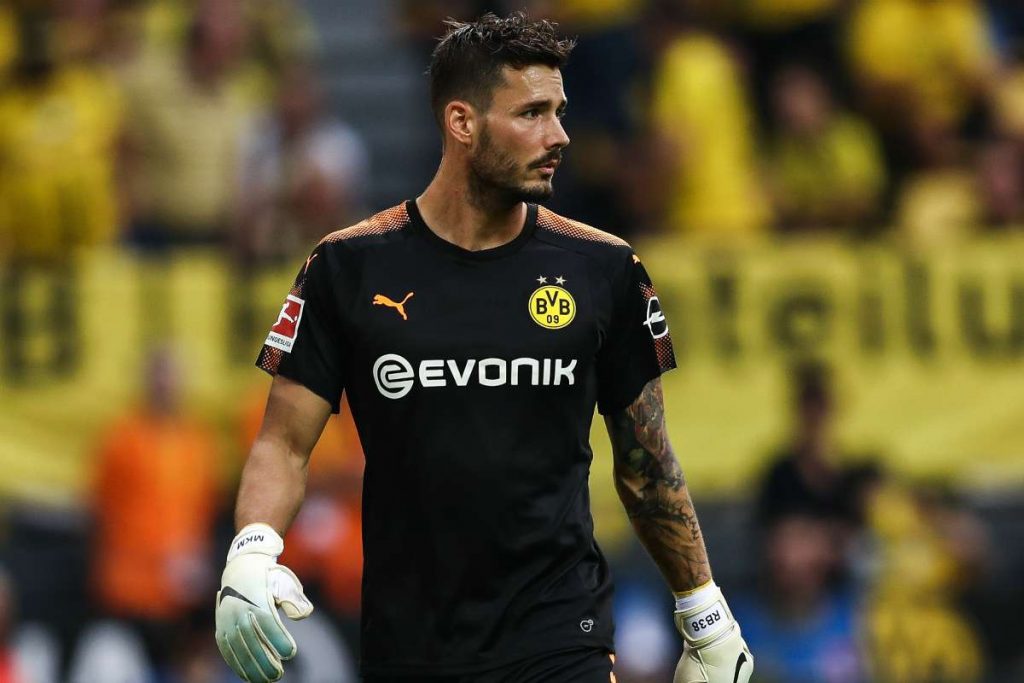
pixel 256 538
pixel 703 616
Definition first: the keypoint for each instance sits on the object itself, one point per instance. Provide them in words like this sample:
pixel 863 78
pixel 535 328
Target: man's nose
pixel 558 137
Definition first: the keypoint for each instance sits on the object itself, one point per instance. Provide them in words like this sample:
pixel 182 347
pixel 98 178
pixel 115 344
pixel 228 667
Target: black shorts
pixel 574 666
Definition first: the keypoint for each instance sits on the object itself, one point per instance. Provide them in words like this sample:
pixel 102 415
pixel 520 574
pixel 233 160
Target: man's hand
pixel 714 651
pixel 250 635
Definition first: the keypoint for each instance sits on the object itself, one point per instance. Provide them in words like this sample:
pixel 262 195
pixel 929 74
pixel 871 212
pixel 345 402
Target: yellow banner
pixel 927 352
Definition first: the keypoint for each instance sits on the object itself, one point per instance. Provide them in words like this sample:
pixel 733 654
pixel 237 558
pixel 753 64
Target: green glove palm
pixel 250 634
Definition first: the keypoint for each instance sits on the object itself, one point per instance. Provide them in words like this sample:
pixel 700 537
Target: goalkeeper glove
pixel 250 635
pixel 714 651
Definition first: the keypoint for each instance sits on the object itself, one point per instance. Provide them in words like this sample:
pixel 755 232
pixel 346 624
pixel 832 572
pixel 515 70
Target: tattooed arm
pixel 653 490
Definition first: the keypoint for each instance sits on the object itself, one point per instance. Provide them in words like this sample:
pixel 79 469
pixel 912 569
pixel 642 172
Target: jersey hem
pixel 420 668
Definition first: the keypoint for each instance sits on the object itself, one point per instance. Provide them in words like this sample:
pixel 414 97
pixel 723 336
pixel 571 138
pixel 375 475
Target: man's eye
pixel 531 113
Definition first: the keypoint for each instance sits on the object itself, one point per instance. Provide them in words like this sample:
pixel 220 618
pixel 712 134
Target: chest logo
pixel 381 300
pixel 552 306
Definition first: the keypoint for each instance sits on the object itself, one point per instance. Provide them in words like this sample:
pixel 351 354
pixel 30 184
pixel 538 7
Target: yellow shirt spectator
pixel 700 108
pixel 936 51
pixel 279 34
pixel 911 619
pixel 830 179
pixel 57 162
pixel 185 138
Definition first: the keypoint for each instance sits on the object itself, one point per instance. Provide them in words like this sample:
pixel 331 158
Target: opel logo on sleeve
pixel 656 322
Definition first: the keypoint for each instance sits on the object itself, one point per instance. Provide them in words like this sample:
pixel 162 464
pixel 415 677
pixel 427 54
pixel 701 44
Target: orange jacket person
pixel 154 499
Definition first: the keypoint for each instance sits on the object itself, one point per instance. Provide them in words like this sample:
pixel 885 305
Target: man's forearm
pixel 272 487
pixel 653 490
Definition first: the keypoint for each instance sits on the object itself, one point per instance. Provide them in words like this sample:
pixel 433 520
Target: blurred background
pixel 829 195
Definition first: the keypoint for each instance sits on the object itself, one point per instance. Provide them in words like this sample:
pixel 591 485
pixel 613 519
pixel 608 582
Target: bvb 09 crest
pixel 552 307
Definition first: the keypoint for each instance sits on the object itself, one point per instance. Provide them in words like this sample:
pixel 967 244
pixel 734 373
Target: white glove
pixel 714 651
pixel 250 635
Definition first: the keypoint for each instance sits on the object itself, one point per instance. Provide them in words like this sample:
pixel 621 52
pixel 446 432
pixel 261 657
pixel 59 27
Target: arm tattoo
pixel 653 490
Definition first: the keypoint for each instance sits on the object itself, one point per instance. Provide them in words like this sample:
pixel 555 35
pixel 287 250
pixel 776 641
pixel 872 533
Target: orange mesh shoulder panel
pixel 386 221
pixel 549 220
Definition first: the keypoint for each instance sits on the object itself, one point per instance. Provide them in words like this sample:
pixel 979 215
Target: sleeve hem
pixel 320 391
pixel 627 396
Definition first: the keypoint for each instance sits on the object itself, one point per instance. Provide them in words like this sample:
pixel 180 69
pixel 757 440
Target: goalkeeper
pixel 474 332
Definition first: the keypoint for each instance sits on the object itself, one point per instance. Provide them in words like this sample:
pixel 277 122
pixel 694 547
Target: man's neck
pixel 456 215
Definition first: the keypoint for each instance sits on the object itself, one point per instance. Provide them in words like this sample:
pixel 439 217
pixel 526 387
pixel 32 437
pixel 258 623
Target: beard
pixel 495 176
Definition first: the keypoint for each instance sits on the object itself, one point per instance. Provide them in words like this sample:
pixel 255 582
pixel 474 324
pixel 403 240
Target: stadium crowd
pixel 156 126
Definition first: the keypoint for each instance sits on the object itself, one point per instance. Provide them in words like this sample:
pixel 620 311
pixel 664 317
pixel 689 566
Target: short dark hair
pixel 467 62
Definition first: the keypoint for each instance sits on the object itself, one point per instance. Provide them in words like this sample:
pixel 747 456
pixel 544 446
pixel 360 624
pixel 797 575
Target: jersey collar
pixel 421 228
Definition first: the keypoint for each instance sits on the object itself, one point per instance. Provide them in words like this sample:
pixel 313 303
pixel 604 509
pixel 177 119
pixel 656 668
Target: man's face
pixel 521 137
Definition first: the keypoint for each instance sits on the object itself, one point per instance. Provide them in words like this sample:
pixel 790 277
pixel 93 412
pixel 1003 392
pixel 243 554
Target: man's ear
pixel 461 121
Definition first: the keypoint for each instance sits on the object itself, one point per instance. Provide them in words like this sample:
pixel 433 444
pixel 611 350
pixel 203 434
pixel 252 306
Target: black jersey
pixel 472 378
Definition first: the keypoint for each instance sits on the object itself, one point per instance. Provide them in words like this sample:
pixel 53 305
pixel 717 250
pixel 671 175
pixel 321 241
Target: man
pixel 474 332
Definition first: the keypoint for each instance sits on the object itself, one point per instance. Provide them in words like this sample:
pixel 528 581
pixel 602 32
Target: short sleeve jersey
pixel 472 378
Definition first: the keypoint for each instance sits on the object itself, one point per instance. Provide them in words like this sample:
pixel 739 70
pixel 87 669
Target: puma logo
pixel 381 300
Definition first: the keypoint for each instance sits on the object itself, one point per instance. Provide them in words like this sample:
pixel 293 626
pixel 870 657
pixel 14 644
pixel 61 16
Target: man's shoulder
pixel 609 251
pixel 578 236
pixel 376 229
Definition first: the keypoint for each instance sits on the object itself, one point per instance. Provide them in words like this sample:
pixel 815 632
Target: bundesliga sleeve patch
pixel 282 334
